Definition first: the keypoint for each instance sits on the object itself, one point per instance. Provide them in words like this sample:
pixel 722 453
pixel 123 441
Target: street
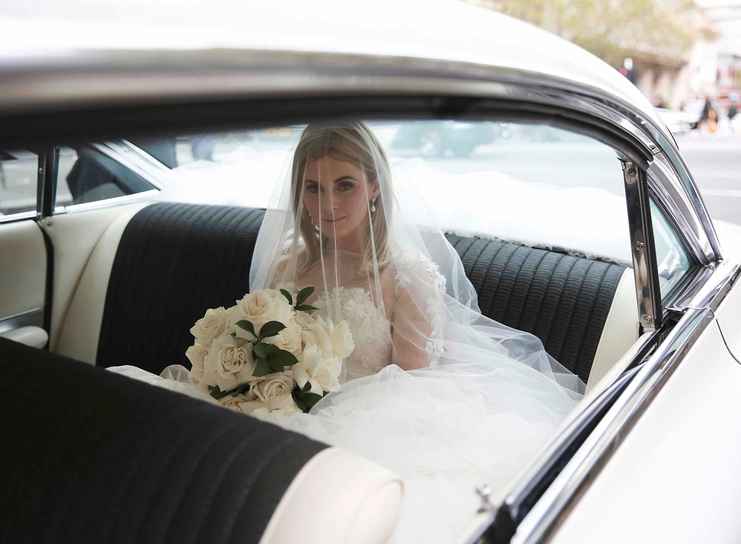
pixel 715 163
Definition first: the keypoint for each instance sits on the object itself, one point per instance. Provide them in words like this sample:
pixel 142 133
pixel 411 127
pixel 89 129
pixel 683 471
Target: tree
pixel 661 30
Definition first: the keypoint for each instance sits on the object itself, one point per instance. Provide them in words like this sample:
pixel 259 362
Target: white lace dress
pixel 444 430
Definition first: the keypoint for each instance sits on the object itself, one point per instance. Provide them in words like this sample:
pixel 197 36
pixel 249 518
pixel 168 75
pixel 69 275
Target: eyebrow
pixel 341 178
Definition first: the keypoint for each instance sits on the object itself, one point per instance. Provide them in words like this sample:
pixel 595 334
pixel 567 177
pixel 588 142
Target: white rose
pixel 273 385
pixel 265 305
pixel 316 334
pixel 332 340
pixel 304 319
pixel 273 398
pixel 342 342
pixel 196 354
pixel 288 339
pixel 211 325
pixel 283 405
pixel 320 371
pixel 228 364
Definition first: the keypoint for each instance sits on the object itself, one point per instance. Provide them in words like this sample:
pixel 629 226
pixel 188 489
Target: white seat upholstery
pixel 83 272
pixel 337 497
pixel 620 330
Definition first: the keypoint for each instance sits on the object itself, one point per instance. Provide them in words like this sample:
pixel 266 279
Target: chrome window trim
pixel 19 216
pixel 146 166
pixel 648 291
pixel 33 317
pixel 123 200
pixel 667 189
pixel 546 515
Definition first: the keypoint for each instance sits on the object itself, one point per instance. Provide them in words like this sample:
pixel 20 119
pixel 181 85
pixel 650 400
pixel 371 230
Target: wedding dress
pixel 443 396
pixel 440 429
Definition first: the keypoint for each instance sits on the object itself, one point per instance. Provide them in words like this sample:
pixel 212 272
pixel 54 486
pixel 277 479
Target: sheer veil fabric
pixel 434 390
pixel 447 397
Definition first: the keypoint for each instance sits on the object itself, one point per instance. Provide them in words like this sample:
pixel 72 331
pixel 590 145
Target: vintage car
pixel 575 217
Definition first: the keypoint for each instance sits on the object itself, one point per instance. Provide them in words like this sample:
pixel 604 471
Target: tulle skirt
pixel 444 430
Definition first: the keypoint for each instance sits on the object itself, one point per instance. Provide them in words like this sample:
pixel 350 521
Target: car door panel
pixel 74 236
pixel 729 320
pixel 22 275
pixel 682 451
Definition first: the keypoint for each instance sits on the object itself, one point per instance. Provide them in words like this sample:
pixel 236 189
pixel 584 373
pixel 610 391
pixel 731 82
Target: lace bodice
pixel 368 324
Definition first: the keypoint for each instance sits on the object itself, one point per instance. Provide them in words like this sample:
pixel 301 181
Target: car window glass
pixel 90 174
pixel 671 258
pixel 525 182
pixel 18 181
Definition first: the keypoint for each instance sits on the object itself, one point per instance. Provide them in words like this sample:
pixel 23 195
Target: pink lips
pixel 337 220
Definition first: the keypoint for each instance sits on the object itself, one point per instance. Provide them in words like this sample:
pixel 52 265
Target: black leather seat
pixel 562 299
pixel 91 456
pixel 175 260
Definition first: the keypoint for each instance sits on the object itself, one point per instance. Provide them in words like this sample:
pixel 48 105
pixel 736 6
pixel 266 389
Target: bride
pixel 444 396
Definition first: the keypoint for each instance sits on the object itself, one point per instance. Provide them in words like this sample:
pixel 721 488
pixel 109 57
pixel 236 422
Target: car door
pixel 25 264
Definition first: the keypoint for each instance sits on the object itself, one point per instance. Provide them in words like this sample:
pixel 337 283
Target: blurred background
pixel 684 55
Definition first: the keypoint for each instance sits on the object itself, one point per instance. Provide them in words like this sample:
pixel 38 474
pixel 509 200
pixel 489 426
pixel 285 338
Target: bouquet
pixel 268 353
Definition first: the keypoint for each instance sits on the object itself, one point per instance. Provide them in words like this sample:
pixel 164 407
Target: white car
pixel 574 214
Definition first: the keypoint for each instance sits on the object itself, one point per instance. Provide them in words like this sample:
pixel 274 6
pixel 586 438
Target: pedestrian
pixel 732 112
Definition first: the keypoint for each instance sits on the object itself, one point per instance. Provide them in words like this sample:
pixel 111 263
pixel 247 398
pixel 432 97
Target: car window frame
pixel 41 186
pixel 145 169
pixel 694 267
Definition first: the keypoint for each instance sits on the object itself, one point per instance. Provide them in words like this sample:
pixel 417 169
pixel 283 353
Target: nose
pixel 329 203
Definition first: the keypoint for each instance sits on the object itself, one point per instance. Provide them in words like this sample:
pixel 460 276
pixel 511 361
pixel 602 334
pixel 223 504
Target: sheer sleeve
pixel 417 320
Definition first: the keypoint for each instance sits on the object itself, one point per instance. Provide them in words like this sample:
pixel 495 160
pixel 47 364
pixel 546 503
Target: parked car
pixel 678 122
pixel 638 297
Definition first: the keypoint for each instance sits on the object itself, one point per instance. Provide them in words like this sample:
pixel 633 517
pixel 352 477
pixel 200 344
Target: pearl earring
pixel 373 206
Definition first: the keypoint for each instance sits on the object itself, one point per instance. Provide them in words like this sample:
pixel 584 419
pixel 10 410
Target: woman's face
pixel 337 195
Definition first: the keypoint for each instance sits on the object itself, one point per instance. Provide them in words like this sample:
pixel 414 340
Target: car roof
pixel 445 32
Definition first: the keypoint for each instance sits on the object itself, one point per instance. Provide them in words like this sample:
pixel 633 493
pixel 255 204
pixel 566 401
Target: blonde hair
pixel 351 142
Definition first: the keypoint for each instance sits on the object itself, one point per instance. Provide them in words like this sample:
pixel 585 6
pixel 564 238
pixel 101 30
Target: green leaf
pixel 305 400
pixel 240 389
pixel 306 308
pixel 246 325
pixel 263 350
pixel 288 296
pixel 218 394
pixel 271 328
pixel 302 295
pixel 281 358
pixel 262 368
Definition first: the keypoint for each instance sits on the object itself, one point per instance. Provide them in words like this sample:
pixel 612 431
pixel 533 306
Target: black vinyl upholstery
pixel 173 262
pixel 91 456
pixel 562 299
pixel 176 260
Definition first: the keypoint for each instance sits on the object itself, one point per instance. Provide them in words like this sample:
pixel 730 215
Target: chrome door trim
pixel 34 317
pixel 547 514
pixel 648 292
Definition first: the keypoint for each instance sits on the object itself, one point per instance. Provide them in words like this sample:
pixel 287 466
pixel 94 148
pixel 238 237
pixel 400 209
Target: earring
pixel 373 206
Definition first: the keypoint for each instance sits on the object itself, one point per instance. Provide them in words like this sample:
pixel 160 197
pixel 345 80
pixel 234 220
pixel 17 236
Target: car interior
pixel 100 281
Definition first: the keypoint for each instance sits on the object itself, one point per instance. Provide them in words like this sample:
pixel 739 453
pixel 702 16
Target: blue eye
pixel 312 188
pixel 345 185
